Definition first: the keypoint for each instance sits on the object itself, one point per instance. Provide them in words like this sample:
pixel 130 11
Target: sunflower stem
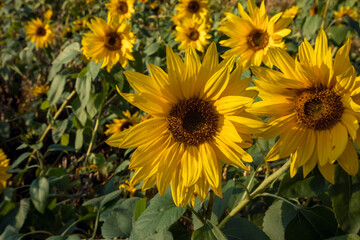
pixel 324 13
pixel 93 135
pixel 57 114
pixel 196 214
pixel 259 190
pixel 210 204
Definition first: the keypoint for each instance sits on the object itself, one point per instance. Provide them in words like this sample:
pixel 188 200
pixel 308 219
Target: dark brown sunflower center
pixel 193 7
pixel 193 35
pixel 113 41
pixel 122 7
pixel 40 31
pixel 318 108
pixel 193 121
pixel 125 125
pixel 257 39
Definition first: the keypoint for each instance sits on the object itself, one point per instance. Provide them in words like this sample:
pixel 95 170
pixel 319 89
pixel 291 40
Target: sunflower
pixel 314 105
pixel 119 125
pixel 121 8
pixel 110 41
pixel 190 8
pixel 199 118
pixel 192 32
pixel 4 167
pixel 128 187
pixel 252 35
pixel 38 32
pixel 39 90
pixel 346 11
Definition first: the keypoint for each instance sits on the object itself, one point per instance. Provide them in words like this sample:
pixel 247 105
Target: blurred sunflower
pixel 120 125
pixel 4 167
pixel 48 14
pixel 128 187
pixel 110 42
pixel 39 90
pixel 38 32
pixel 346 11
pixel 252 35
pixel 121 8
pixel 192 32
pixel 190 8
pixel 198 119
pixel 314 104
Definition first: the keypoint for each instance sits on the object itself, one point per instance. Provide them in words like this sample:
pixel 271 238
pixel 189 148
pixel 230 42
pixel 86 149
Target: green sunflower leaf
pixel 209 232
pixel 159 216
pixel 345 198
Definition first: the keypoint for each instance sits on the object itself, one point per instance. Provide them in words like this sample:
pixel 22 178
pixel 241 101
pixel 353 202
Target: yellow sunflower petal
pixel 349 159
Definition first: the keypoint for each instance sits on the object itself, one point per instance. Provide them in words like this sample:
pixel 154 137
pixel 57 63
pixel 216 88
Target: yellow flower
pixel 4 167
pixel 121 8
pixel 2 4
pixel 291 12
pixel 39 90
pixel 143 1
pixel 252 35
pixel 128 187
pixel 110 42
pixel 314 104
pixel 80 23
pixel 38 32
pixel 121 124
pixel 199 118
pixel 190 8
pixel 346 11
pixel 192 32
pixel 48 14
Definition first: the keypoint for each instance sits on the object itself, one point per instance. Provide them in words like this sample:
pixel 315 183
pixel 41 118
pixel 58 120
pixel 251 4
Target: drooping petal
pixel 348 160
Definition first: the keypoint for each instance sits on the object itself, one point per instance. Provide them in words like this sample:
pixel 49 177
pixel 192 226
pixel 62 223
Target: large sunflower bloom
pixel 192 32
pixel 110 41
pixel 4 167
pixel 191 8
pixel 38 32
pixel 252 35
pixel 121 8
pixel 314 105
pixel 198 119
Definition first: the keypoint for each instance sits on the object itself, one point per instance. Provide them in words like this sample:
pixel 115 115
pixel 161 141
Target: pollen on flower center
pixel 318 108
pixel 40 31
pixel 258 39
pixel 193 35
pixel 193 7
pixel 193 121
pixel 122 7
pixel 113 41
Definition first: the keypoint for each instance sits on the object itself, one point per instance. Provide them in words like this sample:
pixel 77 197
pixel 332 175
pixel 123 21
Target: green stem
pixel 210 204
pixel 280 198
pixel 94 132
pixel 262 187
pixel 196 214
pixel 57 114
pixel 96 224
pixel 36 232
pixel 325 12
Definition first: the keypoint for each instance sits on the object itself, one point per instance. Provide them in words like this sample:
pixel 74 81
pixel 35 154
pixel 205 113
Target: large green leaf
pixel 39 191
pixel 10 233
pixel 238 228
pixel 297 186
pixel 345 198
pixel 311 25
pixel 312 224
pixel 16 217
pixel 209 232
pixel 220 204
pixel 56 88
pixel 68 54
pixel 277 217
pixel 119 222
pixel 159 216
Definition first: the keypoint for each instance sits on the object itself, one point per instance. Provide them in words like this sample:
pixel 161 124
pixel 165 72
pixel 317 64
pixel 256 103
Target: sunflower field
pixel 180 119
